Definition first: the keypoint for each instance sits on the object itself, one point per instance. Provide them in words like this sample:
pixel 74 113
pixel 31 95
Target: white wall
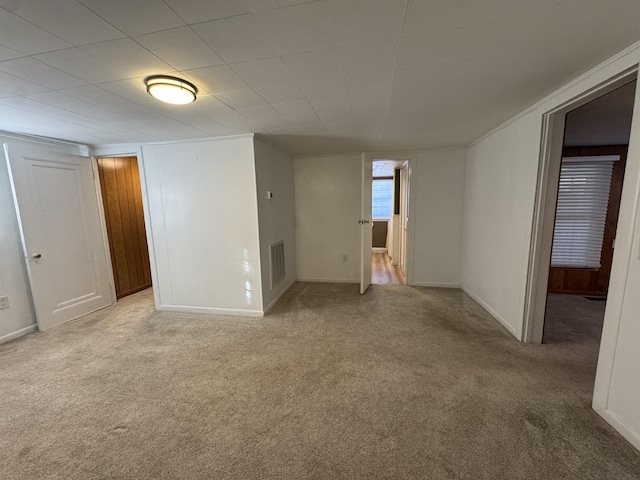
pixel 276 217
pixel 204 226
pixel 438 199
pixel 19 317
pixel 500 187
pixel 499 197
pixel 327 199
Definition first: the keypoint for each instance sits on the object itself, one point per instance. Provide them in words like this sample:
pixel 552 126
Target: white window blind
pixel 583 199
pixel 382 199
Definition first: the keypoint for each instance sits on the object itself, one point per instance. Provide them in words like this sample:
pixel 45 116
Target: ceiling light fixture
pixel 171 89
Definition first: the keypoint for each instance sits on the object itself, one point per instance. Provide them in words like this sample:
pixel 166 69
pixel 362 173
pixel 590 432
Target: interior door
pixel 366 224
pixel 404 215
pixel 61 233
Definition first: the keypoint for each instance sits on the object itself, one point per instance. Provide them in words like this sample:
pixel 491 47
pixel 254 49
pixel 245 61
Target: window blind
pixel 583 200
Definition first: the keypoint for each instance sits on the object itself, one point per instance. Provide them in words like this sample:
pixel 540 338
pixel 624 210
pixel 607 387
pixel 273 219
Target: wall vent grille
pixel 276 260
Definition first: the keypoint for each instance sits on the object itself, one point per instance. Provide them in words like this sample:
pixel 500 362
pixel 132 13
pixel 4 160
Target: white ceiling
pixel 319 76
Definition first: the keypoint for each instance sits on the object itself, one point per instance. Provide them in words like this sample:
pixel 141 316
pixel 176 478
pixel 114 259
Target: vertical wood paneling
pixel 122 198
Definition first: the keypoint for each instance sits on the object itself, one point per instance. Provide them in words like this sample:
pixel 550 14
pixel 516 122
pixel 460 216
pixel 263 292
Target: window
pixel 382 198
pixel 583 200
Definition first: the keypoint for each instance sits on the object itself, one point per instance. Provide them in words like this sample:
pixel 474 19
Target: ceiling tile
pixel 262 5
pixel 298 113
pixel 8 54
pixel 429 16
pixel 127 57
pixel 300 28
pixel 196 11
pixel 53 16
pixel 213 108
pixel 132 89
pixel 236 39
pixel 24 37
pixel 216 80
pixel 281 93
pixel 362 21
pixel 317 73
pixel 17 86
pixel 41 73
pixel 65 102
pixel 135 18
pixel 483 41
pixel 261 112
pixel 110 101
pixel 241 99
pixel 80 64
pixel 263 73
pixel 181 48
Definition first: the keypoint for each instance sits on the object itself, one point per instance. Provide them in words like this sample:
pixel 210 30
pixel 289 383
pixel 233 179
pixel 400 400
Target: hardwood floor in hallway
pixel 383 272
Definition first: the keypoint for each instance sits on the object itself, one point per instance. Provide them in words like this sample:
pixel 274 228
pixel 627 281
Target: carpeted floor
pixel 573 319
pixel 402 382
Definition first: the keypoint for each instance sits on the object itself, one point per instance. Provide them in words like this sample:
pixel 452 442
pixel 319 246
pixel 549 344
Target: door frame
pixel 552 139
pixel 115 152
pixel 411 159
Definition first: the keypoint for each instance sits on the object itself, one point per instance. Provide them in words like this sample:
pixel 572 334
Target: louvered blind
pixel 583 199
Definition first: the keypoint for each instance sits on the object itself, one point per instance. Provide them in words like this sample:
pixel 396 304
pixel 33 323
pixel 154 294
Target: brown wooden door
pixel 122 199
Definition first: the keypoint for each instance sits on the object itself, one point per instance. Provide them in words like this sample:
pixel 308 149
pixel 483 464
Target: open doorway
pixel 594 152
pixel 390 210
pixel 124 220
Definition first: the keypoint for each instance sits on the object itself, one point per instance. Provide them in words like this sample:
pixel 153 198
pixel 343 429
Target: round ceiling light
pixel 171 89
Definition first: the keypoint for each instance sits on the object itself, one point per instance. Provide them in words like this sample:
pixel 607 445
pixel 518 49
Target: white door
pixel 366 224
pixel 404 215
pixel 61 233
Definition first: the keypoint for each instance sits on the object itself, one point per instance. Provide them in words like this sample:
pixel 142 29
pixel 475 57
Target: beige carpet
pixel 399 383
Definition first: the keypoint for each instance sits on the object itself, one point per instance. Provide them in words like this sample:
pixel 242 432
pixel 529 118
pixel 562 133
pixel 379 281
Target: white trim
pixel 491 311
pixel 210 310
pixel 436 284
pixel 103 228
pixel 44 140
pixel 379 249
pixel 18 333
pixel 279 296
pixel 328 280
pixel 106 150
pixel 620 426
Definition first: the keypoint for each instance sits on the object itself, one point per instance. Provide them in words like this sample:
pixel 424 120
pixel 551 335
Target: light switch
pixel 269 195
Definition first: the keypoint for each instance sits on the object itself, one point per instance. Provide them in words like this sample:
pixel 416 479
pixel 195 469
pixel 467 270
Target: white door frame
pixel 553 123
pixel 410 158
pixel 115 152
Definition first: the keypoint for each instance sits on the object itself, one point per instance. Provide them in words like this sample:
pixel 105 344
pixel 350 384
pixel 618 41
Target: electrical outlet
pixel 345 257
pixel 4 302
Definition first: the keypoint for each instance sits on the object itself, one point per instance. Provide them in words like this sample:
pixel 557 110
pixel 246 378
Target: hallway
pixel 383 272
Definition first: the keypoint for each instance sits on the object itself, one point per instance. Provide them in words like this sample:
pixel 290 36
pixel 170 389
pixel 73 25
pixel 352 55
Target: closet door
pixel 122 200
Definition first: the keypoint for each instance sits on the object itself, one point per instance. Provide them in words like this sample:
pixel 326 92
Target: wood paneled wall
pixel 594 281
pixel 122 199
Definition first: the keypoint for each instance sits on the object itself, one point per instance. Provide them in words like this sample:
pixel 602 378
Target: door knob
pixel 37 256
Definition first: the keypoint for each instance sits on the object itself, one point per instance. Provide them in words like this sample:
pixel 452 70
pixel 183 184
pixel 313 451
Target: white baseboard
pixel 328 280
pixel 379 249
pixel 621 427
pixel 279 296
pixel 436 284
pixel 212 311
pixel 492 312
pixel 19 333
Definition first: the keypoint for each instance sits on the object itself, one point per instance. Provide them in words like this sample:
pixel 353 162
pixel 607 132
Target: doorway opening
pixel 389 212
pixel 576 219
pixel 124 220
